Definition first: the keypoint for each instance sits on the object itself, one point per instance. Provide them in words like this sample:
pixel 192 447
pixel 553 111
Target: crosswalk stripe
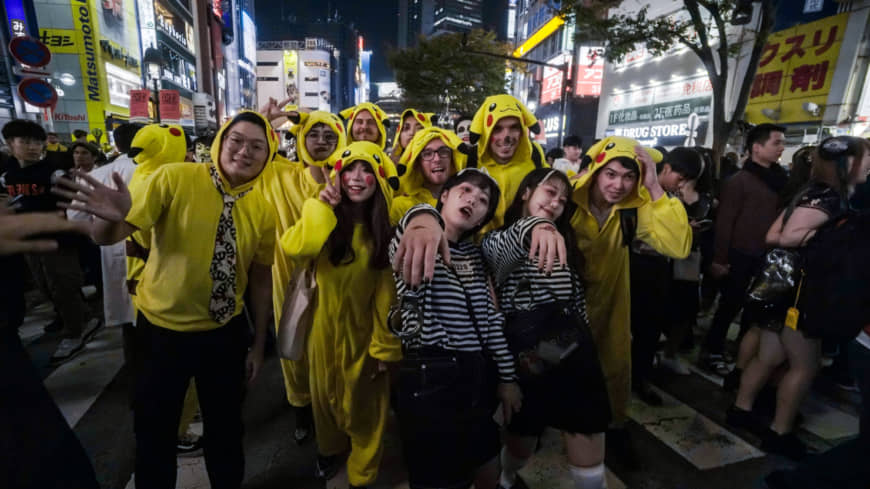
pixel 76 384
pixel 695 437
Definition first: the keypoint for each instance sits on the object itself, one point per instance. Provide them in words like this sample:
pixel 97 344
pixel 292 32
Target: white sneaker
pixel 67 349
pixel 674 364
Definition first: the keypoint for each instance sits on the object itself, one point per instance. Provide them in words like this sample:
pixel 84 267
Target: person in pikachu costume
pixel 422 178
pixel 344 234
pixel 411 122
pixel 501 130
pixel 213 237
pixel 287 184
pixel 366 122
pixel 621 175
pixel 153 146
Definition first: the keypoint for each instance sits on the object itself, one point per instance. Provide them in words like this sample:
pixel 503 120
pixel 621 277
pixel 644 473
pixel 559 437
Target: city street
pixel 683 444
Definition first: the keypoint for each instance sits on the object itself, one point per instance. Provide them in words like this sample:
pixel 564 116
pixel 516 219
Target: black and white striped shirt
pixel 507 254
pixel 444 304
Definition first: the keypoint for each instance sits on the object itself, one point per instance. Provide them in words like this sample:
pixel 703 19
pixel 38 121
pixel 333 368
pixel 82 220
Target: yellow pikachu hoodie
pixel 426 119
pixel 153 146
pixel 349 331
pixel 350 114
pixel 287 185
pixel 509 175
pixel 181 204
pixel 662 224
pixel 412 190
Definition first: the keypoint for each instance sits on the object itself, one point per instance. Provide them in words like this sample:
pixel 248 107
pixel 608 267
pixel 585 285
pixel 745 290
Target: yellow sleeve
pixel 306 238
pixel 385 346
pixel 150 200
pixel 400 206
pixel 664 225
pixel 265 254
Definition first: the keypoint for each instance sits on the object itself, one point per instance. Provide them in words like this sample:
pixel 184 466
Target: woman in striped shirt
pixel 449 327
pixel 536 261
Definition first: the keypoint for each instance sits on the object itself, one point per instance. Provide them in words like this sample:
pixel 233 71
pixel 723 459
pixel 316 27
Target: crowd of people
pixel 477 286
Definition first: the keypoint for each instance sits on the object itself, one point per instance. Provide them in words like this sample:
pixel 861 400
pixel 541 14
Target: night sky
pixel 376 20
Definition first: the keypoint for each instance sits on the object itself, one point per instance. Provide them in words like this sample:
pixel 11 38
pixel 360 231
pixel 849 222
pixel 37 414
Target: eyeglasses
pixel 236 141
pixel 328 137
pixel 443 152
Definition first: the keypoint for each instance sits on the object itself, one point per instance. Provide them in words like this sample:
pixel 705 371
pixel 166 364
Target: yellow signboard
pixel 93 72
pixel 60 41
pixel 796 67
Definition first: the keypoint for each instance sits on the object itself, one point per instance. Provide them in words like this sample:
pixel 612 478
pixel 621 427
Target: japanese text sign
pixel 170 106
pixel 796 66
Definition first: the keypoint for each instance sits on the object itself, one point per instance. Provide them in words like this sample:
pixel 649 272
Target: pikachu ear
pixel 431 117
pixel 656 155
pixel 535 128
pixel 347 113
pixel 529 119
pixel 297 117
pixel 476 127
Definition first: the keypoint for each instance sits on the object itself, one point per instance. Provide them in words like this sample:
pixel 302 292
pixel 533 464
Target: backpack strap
pixel 628 225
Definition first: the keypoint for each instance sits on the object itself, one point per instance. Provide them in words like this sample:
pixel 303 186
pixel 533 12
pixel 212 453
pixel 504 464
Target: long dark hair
pixel 563 223
pixel 377 225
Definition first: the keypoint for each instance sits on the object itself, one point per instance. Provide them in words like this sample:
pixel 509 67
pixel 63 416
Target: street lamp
pixel 154 61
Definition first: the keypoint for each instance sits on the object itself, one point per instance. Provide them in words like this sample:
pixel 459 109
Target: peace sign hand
pixel 272 110
pixel 331 194
pixel 93 197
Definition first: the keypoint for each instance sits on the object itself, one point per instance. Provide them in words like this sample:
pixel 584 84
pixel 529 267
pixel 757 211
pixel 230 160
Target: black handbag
pixel 542 336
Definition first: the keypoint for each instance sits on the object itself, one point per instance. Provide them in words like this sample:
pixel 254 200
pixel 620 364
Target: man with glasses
pixel 28 179
pixel 430 159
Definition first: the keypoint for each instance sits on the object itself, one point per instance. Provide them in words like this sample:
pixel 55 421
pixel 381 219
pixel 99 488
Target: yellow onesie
pixel 662 224
pixel 349 334
pixel 286 185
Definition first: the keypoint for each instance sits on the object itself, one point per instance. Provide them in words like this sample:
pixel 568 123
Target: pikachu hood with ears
pixel 602 153
pixel 381 164
pixel 157 144
pixel 509 175
pixel 303 123
pixel 350 114
pixel 426 119
pixel 271 139
pixel 494 109
pixel 411 180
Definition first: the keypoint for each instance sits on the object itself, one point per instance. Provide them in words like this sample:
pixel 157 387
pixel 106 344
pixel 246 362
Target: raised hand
pixel 95 198
pixel 548 246
pixel 331 194
pixel 650 175
pixel 272 110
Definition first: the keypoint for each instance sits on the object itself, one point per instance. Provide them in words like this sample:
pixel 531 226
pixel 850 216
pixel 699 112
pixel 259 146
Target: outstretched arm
pixel 94 198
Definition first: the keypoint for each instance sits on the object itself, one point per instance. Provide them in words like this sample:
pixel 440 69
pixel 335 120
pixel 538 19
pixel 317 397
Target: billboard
pixel 291 81
pixel 314 80
pixel 796 67
pixel 590 71
pixel 249 38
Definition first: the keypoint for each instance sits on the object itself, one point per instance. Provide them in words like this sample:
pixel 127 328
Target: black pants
pixel 166 360
pixel 38 449
pixel 651 278
pixel 743 268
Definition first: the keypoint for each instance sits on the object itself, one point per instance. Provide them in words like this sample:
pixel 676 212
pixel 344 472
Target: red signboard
pixel 590 71
pixel 551 87
pixel 139 105
pixel 170 106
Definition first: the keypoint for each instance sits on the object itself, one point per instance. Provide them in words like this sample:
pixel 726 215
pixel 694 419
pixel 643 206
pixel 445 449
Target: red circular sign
pixel 29 51
pixel 37 92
